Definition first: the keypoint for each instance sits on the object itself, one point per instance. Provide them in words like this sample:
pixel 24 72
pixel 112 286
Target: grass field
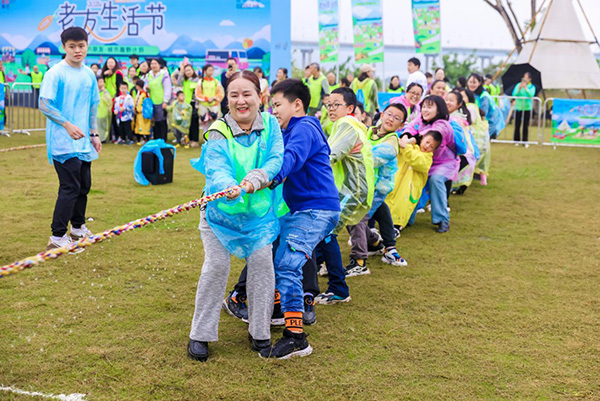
pixel 505 306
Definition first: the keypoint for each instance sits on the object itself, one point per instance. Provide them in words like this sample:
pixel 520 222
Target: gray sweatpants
pixel 213 282
pixel 361 236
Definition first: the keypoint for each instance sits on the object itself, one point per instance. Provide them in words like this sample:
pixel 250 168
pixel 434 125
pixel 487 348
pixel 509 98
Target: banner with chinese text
pixel 329 43
pixel 426 25
pixel 195 31
pixel 368 31
pixel 576 121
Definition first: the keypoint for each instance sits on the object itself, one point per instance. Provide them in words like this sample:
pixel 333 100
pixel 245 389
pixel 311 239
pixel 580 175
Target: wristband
pixel 94 135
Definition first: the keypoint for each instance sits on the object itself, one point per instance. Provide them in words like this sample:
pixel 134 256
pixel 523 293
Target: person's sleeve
pixel 118 80
pixel 383 154
pixel 485 105
pixel 167 88
pixel 259 178
pixel 343 143
pixel 220 92
pixel 460 142
pixel 51 112
pixel 95 101
pixel 48 93
pixel 530 90
pixel 417 159
pixel 516 91
pixel 325 85
pixel 297 150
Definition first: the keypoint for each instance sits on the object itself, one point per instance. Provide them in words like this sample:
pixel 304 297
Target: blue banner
pixel 198 31
pixel 384 98
pixel 576 121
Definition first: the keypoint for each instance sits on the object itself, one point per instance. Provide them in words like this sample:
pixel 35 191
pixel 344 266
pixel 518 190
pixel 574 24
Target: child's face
pixel 337 107
pixel 392 120
pixel 284 110
pixel 123 89
pixel 181 98
pixel 452 102
pixel 428 144
pixel 101 84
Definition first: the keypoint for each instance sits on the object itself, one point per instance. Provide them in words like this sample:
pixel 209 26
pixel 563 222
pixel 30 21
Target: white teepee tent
pixel 557 47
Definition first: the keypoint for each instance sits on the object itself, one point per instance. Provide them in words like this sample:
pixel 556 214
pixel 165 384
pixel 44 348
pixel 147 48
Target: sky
pixel 465 23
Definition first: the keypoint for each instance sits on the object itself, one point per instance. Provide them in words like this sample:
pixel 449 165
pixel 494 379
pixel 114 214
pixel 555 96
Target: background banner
pixel 576 121
pixel 383 98
pixel 329 43
pixel 196 30
pixel 368 31
pixel 426 25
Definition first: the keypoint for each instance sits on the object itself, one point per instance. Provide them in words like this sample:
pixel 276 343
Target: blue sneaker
pixel 391 257
pixel 330 299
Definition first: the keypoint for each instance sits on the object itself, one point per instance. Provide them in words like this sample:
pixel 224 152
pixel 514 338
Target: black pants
pixel 383 216
pixel 160 130
pixel 114 128
pixel 75 179
pixel 310 283
pixel 125 130
pixel 194 125
pixel 524 116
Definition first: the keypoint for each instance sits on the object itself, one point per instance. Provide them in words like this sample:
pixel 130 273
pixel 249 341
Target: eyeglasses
pixel 394 117
pixel 413 93
pixel 334 106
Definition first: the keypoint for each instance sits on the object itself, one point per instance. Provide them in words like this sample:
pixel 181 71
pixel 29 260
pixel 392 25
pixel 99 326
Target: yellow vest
pixel 315 86
pixel 36 79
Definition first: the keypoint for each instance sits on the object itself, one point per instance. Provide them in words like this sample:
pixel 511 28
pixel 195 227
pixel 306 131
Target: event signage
pixel 368 31
pixel 426 25
pixel 329 43
pixel 576 121
pixel 197 30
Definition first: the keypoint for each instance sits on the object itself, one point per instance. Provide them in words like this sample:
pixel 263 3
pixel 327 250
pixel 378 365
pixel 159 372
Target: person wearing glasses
pixel 352 162
pixel 410 100
pixel 384 140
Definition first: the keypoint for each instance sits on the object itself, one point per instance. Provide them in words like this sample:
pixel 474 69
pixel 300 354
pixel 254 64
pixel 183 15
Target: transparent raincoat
pixel 385 163
pixel 482 139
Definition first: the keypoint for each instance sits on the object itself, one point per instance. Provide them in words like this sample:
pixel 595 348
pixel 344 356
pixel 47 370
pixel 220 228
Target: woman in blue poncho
pixel 486 103
pixel 245 147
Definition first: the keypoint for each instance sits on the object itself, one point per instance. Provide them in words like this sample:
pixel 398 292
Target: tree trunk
pixel 501 9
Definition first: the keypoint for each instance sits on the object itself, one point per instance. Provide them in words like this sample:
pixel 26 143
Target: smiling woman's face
pixel 243 101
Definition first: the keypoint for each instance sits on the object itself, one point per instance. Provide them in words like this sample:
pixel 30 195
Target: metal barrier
pixel 23 116
pixel 502 135
pixel 6 96
pixel 555 144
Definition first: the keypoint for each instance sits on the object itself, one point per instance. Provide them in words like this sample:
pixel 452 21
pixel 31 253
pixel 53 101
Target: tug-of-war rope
pixel 22 147
pixel 93 239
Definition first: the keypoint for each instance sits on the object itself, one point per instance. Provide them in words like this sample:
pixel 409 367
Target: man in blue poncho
pixel 69 99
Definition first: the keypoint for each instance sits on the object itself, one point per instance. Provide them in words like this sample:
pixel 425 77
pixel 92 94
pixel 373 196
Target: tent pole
pixel 584 95
pixel 588 22
pixel 501 68
pixel 540 32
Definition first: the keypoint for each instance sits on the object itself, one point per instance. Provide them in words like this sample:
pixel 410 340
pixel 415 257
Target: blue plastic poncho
pixel 385 163
pixel 249 228
pixel 492 113
pixel 153 146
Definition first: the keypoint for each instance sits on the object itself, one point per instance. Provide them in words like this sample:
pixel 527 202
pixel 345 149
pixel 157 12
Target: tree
pixel 504 8
pixel 456 66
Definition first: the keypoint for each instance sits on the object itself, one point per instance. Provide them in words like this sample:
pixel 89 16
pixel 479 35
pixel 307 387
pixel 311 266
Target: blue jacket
pixel 310 183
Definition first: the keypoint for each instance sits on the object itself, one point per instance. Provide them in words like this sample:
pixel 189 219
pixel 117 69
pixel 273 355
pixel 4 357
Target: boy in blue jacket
pixel 311 194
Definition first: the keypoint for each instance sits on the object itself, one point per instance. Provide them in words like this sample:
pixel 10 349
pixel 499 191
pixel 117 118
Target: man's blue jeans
pixel 300 234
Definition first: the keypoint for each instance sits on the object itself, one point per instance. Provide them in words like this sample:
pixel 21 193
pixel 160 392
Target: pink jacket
pixel 445 160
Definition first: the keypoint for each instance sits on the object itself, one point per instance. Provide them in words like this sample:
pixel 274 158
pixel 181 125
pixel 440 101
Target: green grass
pixel 504 307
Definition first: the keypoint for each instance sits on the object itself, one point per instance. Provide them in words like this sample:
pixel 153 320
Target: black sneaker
pixel 378 249
pixel 354 269
pixel 309 316
pixel 291 344
pixel 277 318
pixel 198 350
pixel 236 307
pixel 259 345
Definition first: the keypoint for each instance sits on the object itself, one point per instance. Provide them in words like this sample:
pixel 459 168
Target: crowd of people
pixel 307 159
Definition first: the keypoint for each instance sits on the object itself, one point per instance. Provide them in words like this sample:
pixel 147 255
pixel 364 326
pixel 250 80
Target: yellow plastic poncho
pixel 482 138
pixel 104 115
pixel 352 163
pixel 413 168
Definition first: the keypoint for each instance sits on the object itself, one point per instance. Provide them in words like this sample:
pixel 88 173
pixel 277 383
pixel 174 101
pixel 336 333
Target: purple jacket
pixel 445 160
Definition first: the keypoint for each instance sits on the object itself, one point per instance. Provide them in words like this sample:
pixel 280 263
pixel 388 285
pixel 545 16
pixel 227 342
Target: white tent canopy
pixel 557 47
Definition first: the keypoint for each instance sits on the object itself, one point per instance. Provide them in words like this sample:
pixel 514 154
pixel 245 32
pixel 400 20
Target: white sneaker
pixel 421 210
pixel 428 208
pixel 79 233
pixel 323 270
pixel 526 146
pixel 392 257
pixel 516 144
pixel 64 241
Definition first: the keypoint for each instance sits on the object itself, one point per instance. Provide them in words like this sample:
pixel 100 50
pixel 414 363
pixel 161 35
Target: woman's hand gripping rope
pixel 132 225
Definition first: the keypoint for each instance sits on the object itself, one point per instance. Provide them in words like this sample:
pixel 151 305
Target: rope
pixel 93 239
pixel 22 147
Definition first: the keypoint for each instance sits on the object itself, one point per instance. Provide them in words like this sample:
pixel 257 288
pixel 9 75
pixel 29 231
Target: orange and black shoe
pixel 290 345
pixel 235 305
